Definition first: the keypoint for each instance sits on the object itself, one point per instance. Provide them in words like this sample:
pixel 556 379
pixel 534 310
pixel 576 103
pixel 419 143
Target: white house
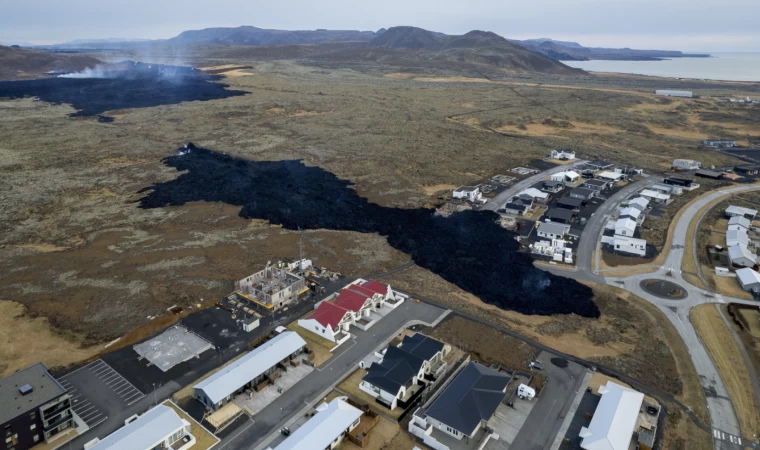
pixel 614 420
pixel 400 373
pixel 686 164
pixel 329 321
pixel 249 370
pixel 535 194
pixel 639 203
pixel 632 213
pixel 563 153
pixel 654 196
pixel 737 237
pixel 739 223
pixel 553 230
pixel 673 93
pixel 469 193
pixel 159 427
pixel 749 280
pixel 327 429
pixel 741 256
pixel 628 245
pixel 569 176
pixel 611 176
pixel 625 227
pixel 462 408
pixel 740 211
pixel 667 188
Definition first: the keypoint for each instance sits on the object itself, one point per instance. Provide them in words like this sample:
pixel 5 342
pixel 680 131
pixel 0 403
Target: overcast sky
pixel 692 25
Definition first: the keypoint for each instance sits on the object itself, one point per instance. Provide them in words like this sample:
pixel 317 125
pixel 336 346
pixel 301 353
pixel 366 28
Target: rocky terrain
pixel 22 63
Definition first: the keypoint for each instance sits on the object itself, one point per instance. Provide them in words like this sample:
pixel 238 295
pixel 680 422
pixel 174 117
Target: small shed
pixel 251 323
pixel 711 174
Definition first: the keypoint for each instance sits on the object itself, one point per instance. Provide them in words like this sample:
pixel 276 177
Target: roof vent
pixel 26 389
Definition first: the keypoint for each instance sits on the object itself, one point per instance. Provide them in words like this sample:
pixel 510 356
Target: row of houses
pixel 740 247
pixel 620 232
pixel 355 305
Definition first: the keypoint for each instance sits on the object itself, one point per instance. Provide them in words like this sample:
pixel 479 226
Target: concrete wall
pixel 317 328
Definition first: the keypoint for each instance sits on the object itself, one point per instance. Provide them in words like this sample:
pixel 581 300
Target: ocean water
pixel 721 66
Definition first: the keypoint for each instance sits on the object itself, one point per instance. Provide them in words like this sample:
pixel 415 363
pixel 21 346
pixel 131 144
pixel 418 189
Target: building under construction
pixel 274 287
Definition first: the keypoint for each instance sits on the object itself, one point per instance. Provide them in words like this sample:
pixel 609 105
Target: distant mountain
pixel 573 51
pixel 22 63
pixel 248 35
pixel 410 38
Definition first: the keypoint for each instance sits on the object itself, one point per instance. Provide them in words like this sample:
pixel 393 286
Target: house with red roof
pixel 330 321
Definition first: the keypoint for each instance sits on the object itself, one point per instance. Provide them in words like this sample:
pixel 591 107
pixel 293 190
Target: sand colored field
pixel 725 353
pixel 40 342
pixel 430 190
pixel 237 73
pixel 295 113
pixel 319 345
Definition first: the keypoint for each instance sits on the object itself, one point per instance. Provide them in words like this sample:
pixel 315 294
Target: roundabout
pixel 664 289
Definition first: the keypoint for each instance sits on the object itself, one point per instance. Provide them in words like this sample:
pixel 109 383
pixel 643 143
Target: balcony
pixel 56 421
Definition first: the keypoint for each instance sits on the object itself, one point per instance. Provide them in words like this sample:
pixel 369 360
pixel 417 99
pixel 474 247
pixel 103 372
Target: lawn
pixel 320 346
pixel 350 386
pixel 726 355
pixel 204 440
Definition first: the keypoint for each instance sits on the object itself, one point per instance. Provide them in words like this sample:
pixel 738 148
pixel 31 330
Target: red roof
pixel 351 300
pixel 361 290
pixel 376 287
pixel 329 314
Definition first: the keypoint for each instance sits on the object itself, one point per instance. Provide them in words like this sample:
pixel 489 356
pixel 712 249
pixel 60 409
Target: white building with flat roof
pixel 625 244
pixel 740 211
pixel 654 196
pixel 737 238
pixel 741 256
pixel 469 193
pixel 326 429
pixel 673 93
pixel 614 420
pixel 160 427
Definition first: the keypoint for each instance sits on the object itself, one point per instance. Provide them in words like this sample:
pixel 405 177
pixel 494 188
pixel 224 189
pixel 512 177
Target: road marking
pixel 86 365
pixel 241 431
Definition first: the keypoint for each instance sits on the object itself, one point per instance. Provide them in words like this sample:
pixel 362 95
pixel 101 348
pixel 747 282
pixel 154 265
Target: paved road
pixel 502 197
pixel 544 421
pixel 308 391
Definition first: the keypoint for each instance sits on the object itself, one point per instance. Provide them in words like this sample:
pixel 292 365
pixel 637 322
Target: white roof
pixel 641 201
pixel 319 431
pixel 554 228
pixel 610 175
pixel 615 418
pixel 236 375
pixel 145 433
pixel 733 209
pixel 626 223
pixel 535 193
pixel 634 241
pixel 748 276
pixel 466 189
pixel 629 211
pixel 737 251
pixel 737 237
pixel 739 220
pixel 654 194
pixel 572 174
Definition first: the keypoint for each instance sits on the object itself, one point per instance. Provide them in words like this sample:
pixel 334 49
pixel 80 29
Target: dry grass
pixel 25 340
pixel 351 387
pixel 727 285
pixel 726 355
pixel 599 379
pixel 319 345
pixel 204 440
pixel 382 434
pixel 431 190
pixel 688 263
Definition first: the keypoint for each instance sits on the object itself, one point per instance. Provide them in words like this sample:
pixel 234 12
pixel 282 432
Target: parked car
pixel 537 365
pixel 285 431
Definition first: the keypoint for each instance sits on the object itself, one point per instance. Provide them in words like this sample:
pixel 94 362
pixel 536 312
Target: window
pixel 36 437
pixel 32 426
pixel 32 415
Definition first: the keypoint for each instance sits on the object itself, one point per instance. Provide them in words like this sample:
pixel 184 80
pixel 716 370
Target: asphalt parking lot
pixel 97 391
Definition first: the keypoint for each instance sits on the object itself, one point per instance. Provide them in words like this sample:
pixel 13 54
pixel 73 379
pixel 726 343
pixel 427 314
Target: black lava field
pixel 133 85
pixel 468 249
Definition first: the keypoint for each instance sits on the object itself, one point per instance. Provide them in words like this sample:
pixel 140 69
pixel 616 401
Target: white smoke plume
pixel 94 72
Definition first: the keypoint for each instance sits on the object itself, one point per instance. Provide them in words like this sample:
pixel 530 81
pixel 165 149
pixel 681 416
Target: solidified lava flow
pixel 468 249
pixel 133 85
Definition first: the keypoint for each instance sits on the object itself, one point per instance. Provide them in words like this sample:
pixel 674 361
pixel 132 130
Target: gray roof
pixel 147 431
pixel 564 214
pixel 582 191
pixel 554 228
pixel 401 364
pixel 44 389
pixel 596 182
pixel 473 396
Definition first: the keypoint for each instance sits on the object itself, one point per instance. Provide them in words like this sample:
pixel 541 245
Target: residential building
pixel 719 143
pixel 750 171
pixel 625 244
pixel 329 321
pixel 749 280
pixel 570 203
pixel 469 193
pixel 273 288
pixel 635 214
pixel 639 203
pixel 463 407
pixel 563 154
pixel 686 164
pixel 612 177
pixel 553 230
pixel 741 211
pixel 711 174
pixel 673 93
pixel 599 165
pixel 249 370
pixel 654 196
pixel 615 419
pixel 535 195
pixel 34 408
pixel 739 223
pixel 553 186
pixel 159 428
pixel 404 370
pixel 686 183
pixel 595 185
pixel 518 209
pixel 560 215
pixel 583 194
pixel 630 171
pixel 569 176
pixel 625 227
pixel 741 256
pixel 669 189
pixel 737 237
pixel 326 429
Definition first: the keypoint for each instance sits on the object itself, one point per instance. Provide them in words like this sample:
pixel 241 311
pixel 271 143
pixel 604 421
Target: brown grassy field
pixel 724 352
